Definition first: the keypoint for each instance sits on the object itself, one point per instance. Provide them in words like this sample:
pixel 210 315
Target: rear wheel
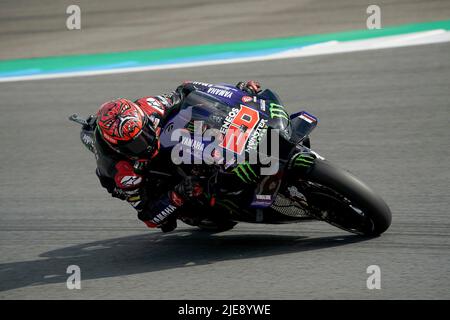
pixel 337 197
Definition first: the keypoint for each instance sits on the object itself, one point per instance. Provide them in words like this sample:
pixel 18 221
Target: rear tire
pixel 358 193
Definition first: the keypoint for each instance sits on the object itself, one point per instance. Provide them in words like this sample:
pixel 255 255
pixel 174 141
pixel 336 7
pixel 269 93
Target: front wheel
pixel 339 198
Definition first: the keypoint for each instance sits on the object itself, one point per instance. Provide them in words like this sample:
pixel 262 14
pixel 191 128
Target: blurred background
pixel 384 116
pixel 32 29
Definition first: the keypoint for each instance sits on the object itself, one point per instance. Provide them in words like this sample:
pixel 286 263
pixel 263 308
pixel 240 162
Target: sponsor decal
pixel 152 102
pixel 87 139
pixel 238 130
pixel 164 213
pixel 303 160
pixel 228 120
pixel 203 84
pixel 245 172
pixel 267 190
pixel 191 143
pixel 131 181
pixel 277 111
pixel 220 92
pixel 307 118
pixel 246 99
pixel 154 120
pixel 257 135
pixel 262 104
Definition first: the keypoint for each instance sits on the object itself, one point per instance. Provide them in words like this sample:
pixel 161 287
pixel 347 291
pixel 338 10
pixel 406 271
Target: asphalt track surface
pixel 384 115
pixel 31 28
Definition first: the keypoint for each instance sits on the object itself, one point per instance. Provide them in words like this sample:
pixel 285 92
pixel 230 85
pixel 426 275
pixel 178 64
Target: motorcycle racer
pixel 259 167
pixel 126 145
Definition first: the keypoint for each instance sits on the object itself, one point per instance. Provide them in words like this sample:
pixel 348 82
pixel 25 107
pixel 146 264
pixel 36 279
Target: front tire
pixel 338 192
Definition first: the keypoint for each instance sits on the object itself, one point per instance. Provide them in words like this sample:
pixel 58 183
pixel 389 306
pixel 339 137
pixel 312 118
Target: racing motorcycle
pixel 297 191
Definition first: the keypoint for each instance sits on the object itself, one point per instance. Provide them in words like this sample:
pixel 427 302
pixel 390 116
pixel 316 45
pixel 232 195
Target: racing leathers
pixel 125 178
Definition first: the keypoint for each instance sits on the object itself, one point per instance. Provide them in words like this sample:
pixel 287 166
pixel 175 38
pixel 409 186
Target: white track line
pixel 330 47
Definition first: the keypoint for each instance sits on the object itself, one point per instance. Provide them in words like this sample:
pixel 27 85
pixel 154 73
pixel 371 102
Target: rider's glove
pixel 183 90
pixel 251 87
pixel 119 193
pixel 187 189
pixel 163 213
pixel 134 197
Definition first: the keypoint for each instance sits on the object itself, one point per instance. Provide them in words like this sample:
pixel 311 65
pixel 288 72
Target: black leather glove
pixel 188 188
pixel 184 89
pixel 251 87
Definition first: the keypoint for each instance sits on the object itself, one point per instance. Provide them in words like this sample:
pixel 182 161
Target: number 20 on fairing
pixel 240 129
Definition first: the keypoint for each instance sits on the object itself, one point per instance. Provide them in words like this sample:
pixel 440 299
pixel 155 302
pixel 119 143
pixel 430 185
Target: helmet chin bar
pixel 147 137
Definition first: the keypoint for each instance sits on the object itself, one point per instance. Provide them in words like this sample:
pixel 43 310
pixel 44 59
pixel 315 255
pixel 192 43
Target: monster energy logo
pixel 303 161
pixel 191 127
pixel 245 173
pixel 277 111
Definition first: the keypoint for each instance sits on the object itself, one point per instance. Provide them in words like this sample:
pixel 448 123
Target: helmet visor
pixel 142 145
